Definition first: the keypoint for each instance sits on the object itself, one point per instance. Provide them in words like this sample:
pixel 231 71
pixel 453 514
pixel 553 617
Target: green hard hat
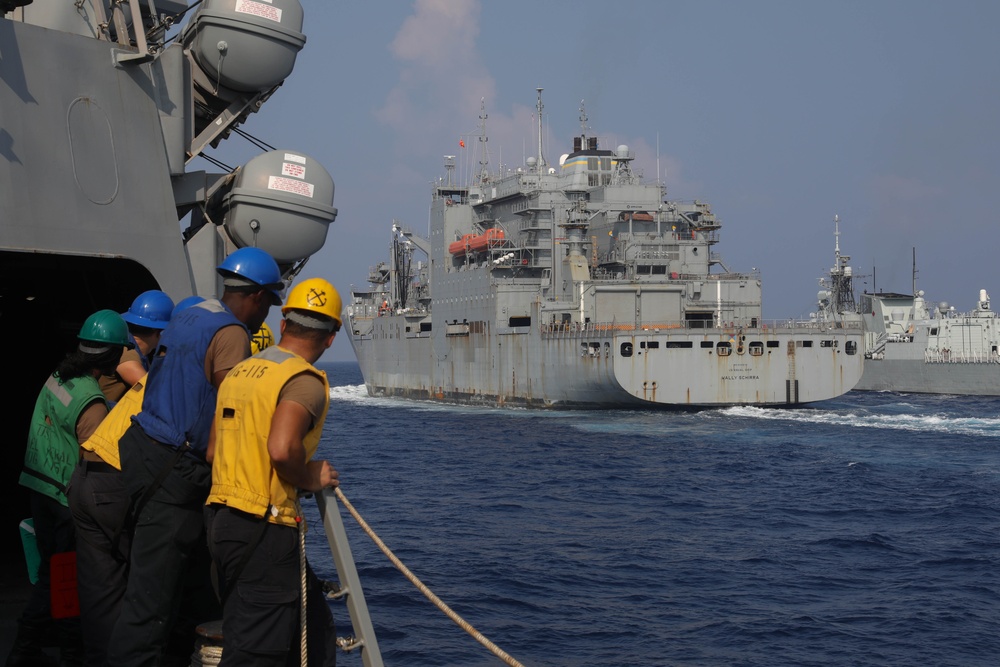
pixel 105 329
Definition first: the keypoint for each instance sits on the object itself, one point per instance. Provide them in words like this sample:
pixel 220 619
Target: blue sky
pixel 779 113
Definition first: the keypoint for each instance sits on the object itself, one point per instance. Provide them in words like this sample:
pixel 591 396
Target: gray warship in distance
pixel 104 104
pixel 912 346
pixel 577 284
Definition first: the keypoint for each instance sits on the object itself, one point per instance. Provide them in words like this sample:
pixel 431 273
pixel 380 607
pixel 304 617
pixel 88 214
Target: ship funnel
pixel 282 202
pixel 240 48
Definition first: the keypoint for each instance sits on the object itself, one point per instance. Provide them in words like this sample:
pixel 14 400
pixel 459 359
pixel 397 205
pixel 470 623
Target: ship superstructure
pixel 579 284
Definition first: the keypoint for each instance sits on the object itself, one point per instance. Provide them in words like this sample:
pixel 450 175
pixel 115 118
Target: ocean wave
pixel 964 425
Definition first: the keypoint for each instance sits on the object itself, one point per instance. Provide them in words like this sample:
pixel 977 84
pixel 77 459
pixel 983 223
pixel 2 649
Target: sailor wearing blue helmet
pixel 164 457
pixel 146 318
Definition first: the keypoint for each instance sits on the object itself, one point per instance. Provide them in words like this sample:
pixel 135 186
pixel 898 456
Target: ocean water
pixel 859 531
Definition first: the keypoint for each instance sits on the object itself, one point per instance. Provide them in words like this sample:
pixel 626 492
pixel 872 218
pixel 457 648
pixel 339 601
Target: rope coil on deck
pixel 462 623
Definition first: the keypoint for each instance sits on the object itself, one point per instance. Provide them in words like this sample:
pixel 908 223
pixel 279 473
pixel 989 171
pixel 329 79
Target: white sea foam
pixel 349 393
pixel 980 426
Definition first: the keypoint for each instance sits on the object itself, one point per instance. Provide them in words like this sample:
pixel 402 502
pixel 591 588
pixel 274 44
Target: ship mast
pixel 484 159
pixel 841 275
pixel 539 107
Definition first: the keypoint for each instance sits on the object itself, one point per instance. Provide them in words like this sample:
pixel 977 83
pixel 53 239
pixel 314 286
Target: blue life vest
pixel 180 401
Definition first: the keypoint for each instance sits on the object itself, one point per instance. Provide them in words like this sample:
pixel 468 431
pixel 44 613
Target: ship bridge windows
pixel 679 344
pixel 707 345
pixel 724 349
pixel 756 348
pixel 626 349
pixel 851 347
pixel 651 270
pixel 650 344
pixel 773 343
pixel 803 343
pixel 519 321
pixel 829 343
pixel 698 320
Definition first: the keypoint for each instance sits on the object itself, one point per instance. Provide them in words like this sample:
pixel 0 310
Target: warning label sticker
pixel 292 157
pixel 296 170
pixel 255 8
pixel 289 185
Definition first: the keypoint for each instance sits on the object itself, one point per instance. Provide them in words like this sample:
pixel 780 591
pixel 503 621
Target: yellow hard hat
pixel 314 296
pixel 263 339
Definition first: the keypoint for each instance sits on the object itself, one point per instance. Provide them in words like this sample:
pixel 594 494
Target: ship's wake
pixel 864 418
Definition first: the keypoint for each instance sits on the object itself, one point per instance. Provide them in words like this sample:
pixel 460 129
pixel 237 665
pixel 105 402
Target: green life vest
pixel 53 449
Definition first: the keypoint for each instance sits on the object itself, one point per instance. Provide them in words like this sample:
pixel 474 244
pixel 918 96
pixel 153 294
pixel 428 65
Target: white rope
pixel 496 650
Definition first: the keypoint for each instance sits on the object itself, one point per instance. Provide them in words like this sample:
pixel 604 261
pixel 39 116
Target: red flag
pixel 461 142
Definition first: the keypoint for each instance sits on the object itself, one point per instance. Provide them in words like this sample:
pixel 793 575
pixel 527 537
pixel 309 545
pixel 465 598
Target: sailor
pixel 99 502
pixel 68 409
pixel 268 421
pixel 166 470
pixel 146 318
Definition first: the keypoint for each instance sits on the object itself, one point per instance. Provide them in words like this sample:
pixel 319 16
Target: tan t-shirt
pixel 229 346
pixel 112 386
pixel 90 419
pixel 307 390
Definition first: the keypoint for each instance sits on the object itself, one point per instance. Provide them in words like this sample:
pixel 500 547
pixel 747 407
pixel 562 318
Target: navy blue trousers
pixel 260 621
pixel 98 501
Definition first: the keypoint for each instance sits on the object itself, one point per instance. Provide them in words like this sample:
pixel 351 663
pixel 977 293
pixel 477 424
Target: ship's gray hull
pixel 916 376
pixel 585 368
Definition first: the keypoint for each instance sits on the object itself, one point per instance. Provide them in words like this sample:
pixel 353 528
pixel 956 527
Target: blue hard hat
pixel 151 309
pixel 186 302
pixel 258 267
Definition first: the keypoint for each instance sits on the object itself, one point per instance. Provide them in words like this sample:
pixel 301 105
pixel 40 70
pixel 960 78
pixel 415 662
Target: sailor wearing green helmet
pixel 69 408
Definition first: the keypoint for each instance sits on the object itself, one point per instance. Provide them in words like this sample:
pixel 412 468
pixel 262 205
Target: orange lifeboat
pixel 492 238
pixel 460 247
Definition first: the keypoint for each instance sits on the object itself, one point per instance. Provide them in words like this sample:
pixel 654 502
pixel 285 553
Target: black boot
pixel 27 649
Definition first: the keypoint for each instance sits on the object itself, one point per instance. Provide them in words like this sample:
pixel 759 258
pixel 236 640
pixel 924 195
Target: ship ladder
pixel 331 519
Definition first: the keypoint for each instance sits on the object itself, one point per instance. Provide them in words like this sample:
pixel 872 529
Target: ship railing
pixel 774 326
pixel 947 356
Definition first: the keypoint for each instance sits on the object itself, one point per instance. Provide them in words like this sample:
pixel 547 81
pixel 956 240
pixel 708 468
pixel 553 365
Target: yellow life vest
pixel 242 475
pixel 104 441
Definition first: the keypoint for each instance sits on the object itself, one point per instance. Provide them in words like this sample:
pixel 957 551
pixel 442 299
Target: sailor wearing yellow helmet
pixel 268 421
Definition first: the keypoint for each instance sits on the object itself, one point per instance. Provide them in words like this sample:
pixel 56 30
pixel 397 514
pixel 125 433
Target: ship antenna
pixel 541 156
pixel 583 125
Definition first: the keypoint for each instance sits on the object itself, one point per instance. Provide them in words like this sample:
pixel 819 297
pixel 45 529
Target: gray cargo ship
pixel 913 346
pixel 577 284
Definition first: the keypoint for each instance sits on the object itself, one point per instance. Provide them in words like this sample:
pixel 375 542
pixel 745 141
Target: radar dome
pixel 281 202
pixel 621 151
pixel 531 161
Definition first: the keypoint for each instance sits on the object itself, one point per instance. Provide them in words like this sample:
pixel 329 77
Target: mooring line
pixel 462 623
